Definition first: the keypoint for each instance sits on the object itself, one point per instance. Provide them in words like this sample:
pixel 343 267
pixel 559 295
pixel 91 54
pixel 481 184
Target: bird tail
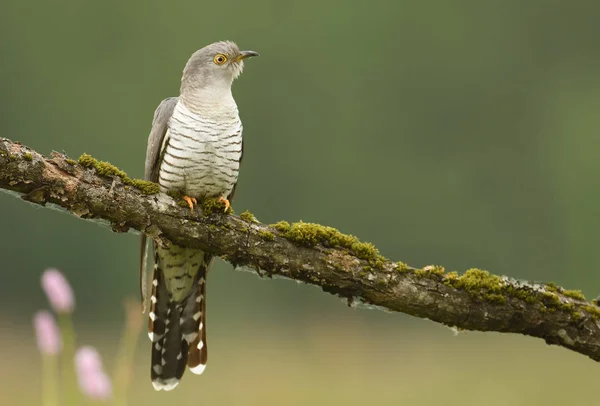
pixel 177 330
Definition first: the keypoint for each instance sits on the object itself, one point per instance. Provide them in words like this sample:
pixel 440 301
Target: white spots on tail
pixel 198 369
pixel 200 326
pixel 152 315
pixel 153 299
pixel 154 337
pixel 166 385
pixel 155 281
pixel 197 316
pixel 200 345
pixel 190 337
pixel 157 369
pixel 199 299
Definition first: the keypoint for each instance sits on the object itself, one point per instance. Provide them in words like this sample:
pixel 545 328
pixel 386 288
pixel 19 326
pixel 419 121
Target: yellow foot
pixel 191 201
pixel 225 202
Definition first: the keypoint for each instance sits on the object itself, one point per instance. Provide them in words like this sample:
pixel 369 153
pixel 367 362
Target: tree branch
pixel 310 253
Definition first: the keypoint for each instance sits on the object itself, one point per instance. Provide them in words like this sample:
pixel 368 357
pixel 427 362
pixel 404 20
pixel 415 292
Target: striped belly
pixel 201 164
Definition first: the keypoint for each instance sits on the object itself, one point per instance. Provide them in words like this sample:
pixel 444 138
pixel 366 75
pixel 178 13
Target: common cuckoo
pixel 194 148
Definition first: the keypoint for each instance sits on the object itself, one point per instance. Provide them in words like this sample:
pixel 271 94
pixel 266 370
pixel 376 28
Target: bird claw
pixel 226 203
pixel 191 201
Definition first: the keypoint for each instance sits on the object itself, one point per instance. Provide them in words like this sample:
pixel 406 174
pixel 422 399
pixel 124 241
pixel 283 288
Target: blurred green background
pixel 460 133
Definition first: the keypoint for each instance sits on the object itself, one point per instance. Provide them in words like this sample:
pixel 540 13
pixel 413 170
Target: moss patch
pixel 574 294
pixel 71 161
pixel 108 169
pixel 214 205
pixel 311 234
pixel 175 194
pixel 430 271
pixel 593 310
pixel 491 288
pixel 480 284
pixel 27 156
pixel 249 217
pixel 282 226
pixel 266 235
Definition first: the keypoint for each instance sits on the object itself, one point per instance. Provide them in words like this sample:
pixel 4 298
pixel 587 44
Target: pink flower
pixel 92 379
pixel 58 290
pixel 46 330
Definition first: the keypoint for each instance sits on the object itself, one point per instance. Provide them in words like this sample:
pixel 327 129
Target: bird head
pixel 215 65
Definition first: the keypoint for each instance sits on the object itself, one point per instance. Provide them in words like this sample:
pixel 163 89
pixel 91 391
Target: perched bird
pixel 194 148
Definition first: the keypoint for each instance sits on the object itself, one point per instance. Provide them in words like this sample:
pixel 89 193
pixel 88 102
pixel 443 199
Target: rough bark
pixel 473 301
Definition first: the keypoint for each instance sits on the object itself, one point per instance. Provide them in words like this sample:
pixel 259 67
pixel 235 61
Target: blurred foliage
pixel 458 133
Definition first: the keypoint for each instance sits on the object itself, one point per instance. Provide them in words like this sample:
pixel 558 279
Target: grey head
pixel 214 66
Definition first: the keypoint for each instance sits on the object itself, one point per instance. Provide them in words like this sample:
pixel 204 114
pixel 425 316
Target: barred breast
pixel 202 152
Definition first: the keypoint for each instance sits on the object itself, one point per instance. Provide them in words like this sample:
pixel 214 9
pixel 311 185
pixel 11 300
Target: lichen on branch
pixel 340 264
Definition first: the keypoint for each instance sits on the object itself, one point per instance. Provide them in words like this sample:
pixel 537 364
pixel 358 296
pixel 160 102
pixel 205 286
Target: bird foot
pixel 225 202
pixel 191 201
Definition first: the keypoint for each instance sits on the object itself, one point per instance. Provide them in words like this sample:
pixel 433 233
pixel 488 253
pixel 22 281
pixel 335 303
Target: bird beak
pixel 245 54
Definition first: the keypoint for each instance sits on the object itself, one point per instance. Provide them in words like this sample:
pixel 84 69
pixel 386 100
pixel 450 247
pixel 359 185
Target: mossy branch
pixel 340 264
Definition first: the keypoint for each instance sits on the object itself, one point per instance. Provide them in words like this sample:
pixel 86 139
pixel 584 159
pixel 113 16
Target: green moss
pixel 476 280
pixel 175 194
pixel 593 310
pixel 282 226
pixel 103 168
pixel 488 287
pixel 146 187
pixel 266 235
pixel 249 217
pixel 552 287
pixel 365 250
pixel 430 270
pixel 495 298
pixel 71 161
pixel 27 156
pixel 550 299
pixel 402 267
pixel 214 205
pixel 574 294
pixel 108 169
pixel 310 234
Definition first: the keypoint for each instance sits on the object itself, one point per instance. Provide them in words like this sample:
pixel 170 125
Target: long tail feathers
pixel 196 338
pixel 177 330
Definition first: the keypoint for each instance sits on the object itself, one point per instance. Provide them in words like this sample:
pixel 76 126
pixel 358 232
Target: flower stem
pixel 49 380
pixel 68 377
pixel 126 353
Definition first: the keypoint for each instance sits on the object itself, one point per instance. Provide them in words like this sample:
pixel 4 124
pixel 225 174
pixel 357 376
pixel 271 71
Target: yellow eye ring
pixel 219 59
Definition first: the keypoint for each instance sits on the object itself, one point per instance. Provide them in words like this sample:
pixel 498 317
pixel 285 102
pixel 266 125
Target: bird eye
pixel 220 59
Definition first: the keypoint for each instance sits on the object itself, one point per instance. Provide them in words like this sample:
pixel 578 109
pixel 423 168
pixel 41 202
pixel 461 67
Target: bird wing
pixel 160 124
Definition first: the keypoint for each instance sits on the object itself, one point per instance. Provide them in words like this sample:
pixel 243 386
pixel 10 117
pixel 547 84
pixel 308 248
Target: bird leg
pixel 225 202
pixel 191 201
